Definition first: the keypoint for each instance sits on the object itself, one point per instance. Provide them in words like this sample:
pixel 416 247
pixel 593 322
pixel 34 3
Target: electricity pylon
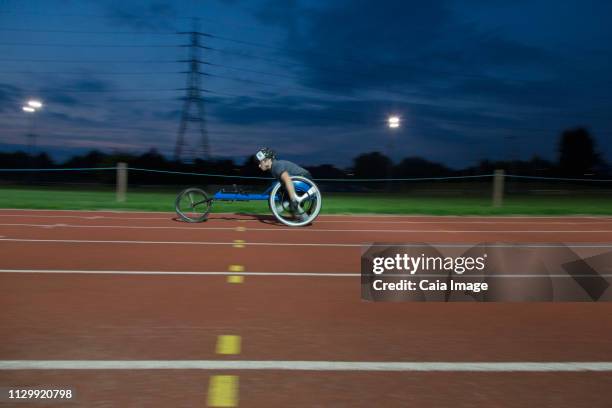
pixel 193 100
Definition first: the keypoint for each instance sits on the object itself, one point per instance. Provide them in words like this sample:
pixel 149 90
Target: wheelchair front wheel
pixel 309 202
pixel 193 205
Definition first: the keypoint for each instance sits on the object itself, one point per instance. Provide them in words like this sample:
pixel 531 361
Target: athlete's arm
pixel 288 185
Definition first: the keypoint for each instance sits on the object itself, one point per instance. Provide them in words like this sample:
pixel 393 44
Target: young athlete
pixel 282 170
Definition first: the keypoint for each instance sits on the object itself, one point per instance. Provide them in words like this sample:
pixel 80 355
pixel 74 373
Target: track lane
pixel 163 257
pixel 120 316
pixel 288 236
pixel 349 228
pixel 134 317
pixel 138 216
pixel 186 388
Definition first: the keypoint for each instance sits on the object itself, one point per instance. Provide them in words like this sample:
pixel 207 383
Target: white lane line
pixel 427 366
pixel 303 230
pixel 602 221
pixel 35 210
pixel 87 241
pixel 82 217
pixel 499 222
pixel 309 274
pixel 319 220
pixel 176 273
pixel 406 216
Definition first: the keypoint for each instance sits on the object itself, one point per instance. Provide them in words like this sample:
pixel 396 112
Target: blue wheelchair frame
pixel 239 196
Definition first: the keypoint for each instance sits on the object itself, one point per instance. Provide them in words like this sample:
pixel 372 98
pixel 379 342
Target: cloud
pixel 293 111
pixel 282 13
pixel 149 16
pixel 75 92
pixel 371 113
pixel 360 45
pixel 459 74
pixel 10 97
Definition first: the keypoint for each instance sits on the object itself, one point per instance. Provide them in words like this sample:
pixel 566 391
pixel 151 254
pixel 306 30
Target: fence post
pixel 121 181
pixel 498 188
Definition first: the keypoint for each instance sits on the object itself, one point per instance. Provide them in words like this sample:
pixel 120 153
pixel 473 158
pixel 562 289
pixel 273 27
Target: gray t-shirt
pixel 281 166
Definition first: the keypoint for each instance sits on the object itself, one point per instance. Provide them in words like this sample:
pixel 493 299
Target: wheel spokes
pixel 308 199
pixel 193 205
pixel 196 203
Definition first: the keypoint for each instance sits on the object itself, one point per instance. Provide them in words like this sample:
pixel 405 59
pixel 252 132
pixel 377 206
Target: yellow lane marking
pixel 240 229
pixel 239 243
pixel 235 279
pixel 236 268
pixel 228 344
pixel 223 391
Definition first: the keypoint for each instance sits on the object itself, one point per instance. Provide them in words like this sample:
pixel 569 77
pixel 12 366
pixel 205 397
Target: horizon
pixel 287 74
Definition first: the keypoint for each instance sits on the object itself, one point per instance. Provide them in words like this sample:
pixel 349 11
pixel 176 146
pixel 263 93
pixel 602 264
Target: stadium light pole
pixel 35 103
pixel 31 107
pixel 393 122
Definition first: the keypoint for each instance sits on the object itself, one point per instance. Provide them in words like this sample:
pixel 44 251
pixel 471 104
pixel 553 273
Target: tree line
pixel 577 157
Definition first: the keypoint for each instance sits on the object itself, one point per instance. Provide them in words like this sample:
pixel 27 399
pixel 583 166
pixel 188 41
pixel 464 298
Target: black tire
pixel 193 205
pixel 279 203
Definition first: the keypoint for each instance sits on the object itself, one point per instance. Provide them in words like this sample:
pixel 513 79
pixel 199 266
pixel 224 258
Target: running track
pixel 73 313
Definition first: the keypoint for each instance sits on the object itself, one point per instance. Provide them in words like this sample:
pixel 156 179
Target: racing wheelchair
pixel 194 204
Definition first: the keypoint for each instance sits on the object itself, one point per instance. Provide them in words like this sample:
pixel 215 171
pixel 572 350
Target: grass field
pixel 334 203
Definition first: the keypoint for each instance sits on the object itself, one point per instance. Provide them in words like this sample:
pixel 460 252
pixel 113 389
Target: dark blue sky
pixel 313 79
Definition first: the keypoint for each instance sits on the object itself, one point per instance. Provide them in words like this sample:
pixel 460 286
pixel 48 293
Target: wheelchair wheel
pixel 309 202
pixel 193 205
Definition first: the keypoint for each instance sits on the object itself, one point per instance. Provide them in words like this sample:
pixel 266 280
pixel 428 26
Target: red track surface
pixel 318 318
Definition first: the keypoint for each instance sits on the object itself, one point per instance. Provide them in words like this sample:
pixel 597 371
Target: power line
pixel 89 32
pixel 443 121
pixel 172 32
pixel 377 65
pixel 304 88
pixel 313 89
pixel 360 114
pixel 222 93
pixel 301 88
pixel 349 72
pixel 293 77
pixel 89 61
pixel 95 129
pixel 371 87
pixel 244 80
pixel 335 118
pixel 139 99
pixel 244 70
pixel 143 99
pixel 336 82
pixel 266 46
pixel 90 45
pixel 223 22
pixel 90 73
pixel 64 90
pixel 212 64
